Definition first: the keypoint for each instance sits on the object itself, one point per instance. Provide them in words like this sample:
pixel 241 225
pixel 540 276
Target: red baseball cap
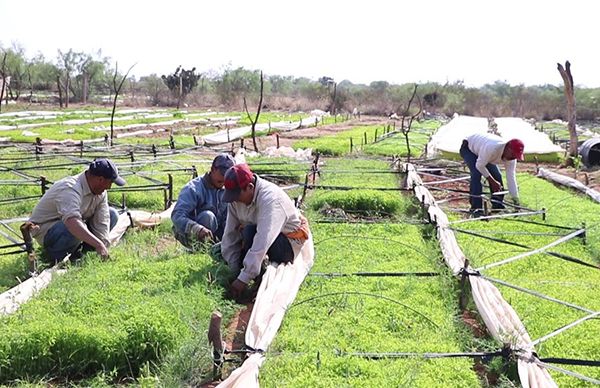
pixel 237 178
pixel 517 147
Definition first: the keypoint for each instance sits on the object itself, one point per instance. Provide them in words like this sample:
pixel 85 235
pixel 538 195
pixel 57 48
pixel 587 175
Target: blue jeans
pixel 205 218
pixel 476 188
pixel 279 252
pixel 58 241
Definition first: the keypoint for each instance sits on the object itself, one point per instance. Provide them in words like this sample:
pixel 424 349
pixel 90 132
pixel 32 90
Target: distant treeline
pixel 77 77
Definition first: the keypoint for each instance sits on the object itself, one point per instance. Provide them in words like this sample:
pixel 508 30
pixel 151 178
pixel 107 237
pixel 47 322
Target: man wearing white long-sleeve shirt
pixel 482 152
pixel 261 220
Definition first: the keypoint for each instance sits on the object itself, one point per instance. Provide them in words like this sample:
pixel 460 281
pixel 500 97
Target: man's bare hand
pixel 236 288
pixel 205 234
pixel 494 185
pixel 102 252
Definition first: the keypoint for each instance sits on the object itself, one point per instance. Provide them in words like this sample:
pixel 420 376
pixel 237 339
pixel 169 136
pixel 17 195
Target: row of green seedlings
pixel 366 328
pixel 535 285
pixel 385 141
pixel 138 317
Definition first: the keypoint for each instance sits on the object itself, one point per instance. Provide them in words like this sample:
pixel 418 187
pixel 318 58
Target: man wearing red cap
pixel 482 152
pixel 261 220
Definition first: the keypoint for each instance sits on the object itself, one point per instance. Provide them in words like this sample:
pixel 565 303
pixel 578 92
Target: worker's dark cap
pixel 223 162
pixel 237 178
pixel 106 169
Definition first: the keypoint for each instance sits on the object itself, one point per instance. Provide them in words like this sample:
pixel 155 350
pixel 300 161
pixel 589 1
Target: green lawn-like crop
pixel 335 316
pixel 379 140
pixel 560 279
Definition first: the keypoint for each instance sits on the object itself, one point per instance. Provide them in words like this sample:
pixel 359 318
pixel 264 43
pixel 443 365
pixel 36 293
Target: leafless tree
pixel 3 75
pixel 565 73
pixel 255 120
pixel 406 128
pixel 116 90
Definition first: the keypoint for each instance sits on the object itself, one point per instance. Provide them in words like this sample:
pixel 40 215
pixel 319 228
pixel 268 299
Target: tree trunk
pixel 565 73
pixel 60 94
pixel 84 88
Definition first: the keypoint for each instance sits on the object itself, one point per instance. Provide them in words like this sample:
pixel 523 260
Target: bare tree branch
pixel 117 90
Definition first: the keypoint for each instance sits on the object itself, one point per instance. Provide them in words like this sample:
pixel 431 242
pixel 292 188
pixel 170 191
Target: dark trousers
pixel 476 187
pixel 279 252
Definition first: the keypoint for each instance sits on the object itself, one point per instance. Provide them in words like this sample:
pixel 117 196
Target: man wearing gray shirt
pixel 74 210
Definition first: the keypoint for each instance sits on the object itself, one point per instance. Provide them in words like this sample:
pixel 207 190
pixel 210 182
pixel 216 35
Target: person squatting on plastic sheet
pixel 261 220
pixel 482 152
pixel 199 214
pixel 74 211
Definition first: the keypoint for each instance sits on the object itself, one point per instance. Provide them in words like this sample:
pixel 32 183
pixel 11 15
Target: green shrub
pixel 369 201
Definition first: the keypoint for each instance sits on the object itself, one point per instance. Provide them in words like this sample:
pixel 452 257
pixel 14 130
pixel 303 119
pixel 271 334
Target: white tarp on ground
pixel 449 137
pixel 276 293
pixel 227 135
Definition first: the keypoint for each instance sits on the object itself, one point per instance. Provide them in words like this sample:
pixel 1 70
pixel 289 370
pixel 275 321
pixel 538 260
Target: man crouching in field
pixel 75 210
pixel 261 220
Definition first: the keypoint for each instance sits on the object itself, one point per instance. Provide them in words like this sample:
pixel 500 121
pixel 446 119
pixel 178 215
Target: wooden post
pixel 216 340
pixel 241 142
pixel 31 257
pixel 170 190
pixel 43 184
pixel 38 148
pixel 81 149
pixel 351 146
pixel 365 143
pixel 123 201
pixel 131 156
pixel 277 137
pixel 154 150
pixel 194 172
pixel 462 301
pixel 171 142
pixel 375 139
pixel 195 140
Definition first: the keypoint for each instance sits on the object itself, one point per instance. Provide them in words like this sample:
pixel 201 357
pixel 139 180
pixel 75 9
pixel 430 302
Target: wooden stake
pixel 216 340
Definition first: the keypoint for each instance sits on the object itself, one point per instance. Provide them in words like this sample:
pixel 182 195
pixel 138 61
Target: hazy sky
pixel 475 41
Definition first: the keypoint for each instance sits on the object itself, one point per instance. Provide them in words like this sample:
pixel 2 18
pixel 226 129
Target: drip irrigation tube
pixel 374 274
pixel 566 327
pixel 567 372
pixel 550 253
pixel 534 293
pixel 382 356
pixel 535 251
pixel 19 199
pixel 499 216
pixel 312 187
pixel 570 361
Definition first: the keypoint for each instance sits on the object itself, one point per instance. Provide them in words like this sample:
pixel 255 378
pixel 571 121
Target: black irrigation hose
pixel 346 221
pixel 427 356
pixel 570 361
pixel 540 223
pixel 19 199
pixel 365 294
pixel 12 245
pixel 555 254
pixel 374 274
pixel 12 253
pixel 312 187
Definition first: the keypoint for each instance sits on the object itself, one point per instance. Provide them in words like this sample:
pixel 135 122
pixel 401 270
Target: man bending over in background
pixel 199 214
pixel 482 152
